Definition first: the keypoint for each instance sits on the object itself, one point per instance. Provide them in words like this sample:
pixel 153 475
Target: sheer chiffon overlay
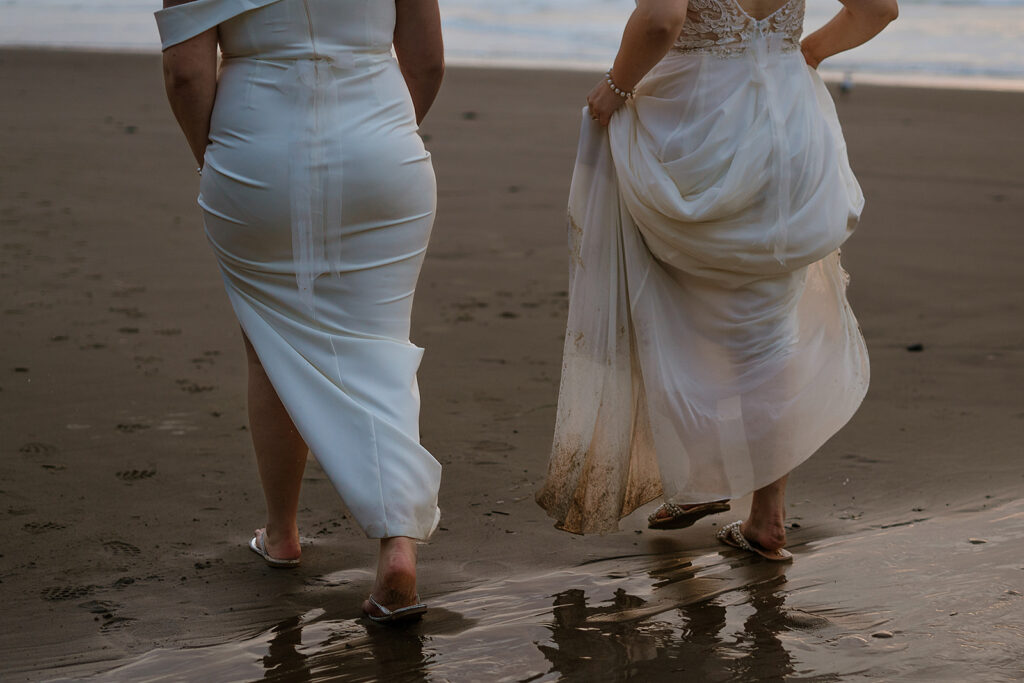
pixel 318 199
pixel 710 348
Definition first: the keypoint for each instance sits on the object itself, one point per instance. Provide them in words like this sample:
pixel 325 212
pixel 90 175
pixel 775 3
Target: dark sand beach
pixel 128 489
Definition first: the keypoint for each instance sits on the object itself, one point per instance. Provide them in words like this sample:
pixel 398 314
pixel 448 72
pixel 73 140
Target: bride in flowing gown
pixel 318 200
pixel 710 348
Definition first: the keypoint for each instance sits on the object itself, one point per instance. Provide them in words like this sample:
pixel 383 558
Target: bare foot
pixel 279 547
pixel 765 526
pixel 395 586
pixel 770 534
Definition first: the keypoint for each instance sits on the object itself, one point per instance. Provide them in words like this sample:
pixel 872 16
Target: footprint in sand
pixel 115 622
pixel 206 564
pixel 193 387
pixel 860 459
pixel 58 593
pixel 148 365
pixel 121 548
pixel 493 446
pixel 100 606
pixel 127 290
pixel 37 448
pixel 127 311
pixel 106 611
pixel 42 527
pixel 131 428
pixel 135 475
pixel 471 303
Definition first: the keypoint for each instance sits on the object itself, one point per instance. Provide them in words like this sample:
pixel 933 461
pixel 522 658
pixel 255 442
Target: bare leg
pixel 281 458
pixel 765 525
pixel 396 575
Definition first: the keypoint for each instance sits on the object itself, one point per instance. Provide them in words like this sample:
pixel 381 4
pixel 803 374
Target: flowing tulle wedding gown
pixel 710 347
pixel 318 199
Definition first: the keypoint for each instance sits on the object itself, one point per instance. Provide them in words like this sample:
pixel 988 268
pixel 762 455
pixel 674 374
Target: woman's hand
pixel 650 32
pixel 857 22
pixel 603 102
pixel 811 60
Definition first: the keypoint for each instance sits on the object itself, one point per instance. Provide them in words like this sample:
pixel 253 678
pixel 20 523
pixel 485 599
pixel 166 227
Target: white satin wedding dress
pixel 318 198
pixel 710 347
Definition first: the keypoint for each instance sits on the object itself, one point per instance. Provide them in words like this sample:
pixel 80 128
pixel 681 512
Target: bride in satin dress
pixel 710 348
pixel 318 200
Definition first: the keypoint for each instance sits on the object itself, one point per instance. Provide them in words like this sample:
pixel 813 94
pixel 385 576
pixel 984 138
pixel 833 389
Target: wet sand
pixel 128 488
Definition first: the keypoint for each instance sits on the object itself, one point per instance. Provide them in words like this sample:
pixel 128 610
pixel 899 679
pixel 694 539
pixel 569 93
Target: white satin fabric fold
pixel 710 348
pixel 181 22
pixel 318 199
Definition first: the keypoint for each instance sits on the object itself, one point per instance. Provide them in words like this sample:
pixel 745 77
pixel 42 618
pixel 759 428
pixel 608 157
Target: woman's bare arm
pixel 857 22
pixel 190 79
pixel 420 51
pixel 651 31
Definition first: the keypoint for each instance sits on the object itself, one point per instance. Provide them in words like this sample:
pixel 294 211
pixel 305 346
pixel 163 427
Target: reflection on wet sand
pixel 353 653
pixel 940 600
pixel 695 642
pixel 283 654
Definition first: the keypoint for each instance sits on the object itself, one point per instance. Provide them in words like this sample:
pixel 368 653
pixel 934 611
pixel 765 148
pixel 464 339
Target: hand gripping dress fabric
pixel 318 199
pixel 710 347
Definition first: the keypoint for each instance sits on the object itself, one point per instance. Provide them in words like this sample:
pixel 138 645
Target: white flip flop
pixel 258 545
pixel 402 614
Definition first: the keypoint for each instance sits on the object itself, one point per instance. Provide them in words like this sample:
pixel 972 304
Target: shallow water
pixel 936 42
pixel 934 600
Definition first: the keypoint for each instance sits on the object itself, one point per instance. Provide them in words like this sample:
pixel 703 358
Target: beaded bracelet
pixel 616 89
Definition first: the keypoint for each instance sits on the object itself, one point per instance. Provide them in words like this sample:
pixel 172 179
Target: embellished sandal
pixel 681 517
pixel 731 535
pixel 400 615
pixel 258 545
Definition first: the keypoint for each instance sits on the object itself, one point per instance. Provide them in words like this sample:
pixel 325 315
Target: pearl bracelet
pixel 616 89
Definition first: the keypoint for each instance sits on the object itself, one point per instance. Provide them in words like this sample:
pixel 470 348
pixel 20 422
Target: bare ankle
pixel 767 531
pixel 282 542
pixel 396 572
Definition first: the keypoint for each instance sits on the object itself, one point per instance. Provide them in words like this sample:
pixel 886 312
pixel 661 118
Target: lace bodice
pixel 723 28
